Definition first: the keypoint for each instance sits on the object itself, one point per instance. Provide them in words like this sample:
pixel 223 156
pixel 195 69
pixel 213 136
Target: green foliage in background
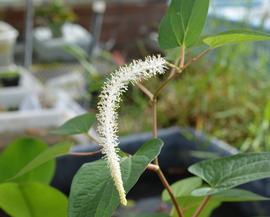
pixel 225 95
pixel 27 167
pixel 20 153
pixel 222 100
pixel 55 14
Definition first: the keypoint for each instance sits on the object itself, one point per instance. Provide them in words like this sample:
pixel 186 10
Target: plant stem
pixel 174 67
pixel 182 57
pixel 177 70
pixel 201 206
pixel 153 100
pixel 159 171
pixel 165 83
pixel 167 186
pixel 154 133
pixel 154 117
pixel 153 167
pixel 85 153
pixel 196 58
pixel 145 91
pixel 180 69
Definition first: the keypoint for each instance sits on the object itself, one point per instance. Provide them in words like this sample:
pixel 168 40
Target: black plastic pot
pixel 182 148
pixel 10 81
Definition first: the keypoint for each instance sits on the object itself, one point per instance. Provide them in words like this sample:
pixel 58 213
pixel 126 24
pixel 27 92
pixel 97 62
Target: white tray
pixel 13 96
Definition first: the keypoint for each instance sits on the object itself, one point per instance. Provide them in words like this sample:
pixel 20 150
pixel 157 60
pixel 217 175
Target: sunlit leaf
pixel 19 154
pixel 78 125
pixel 183 188
pixel 32 200
pixel 234 37
pixel 183 23
pixel 45 156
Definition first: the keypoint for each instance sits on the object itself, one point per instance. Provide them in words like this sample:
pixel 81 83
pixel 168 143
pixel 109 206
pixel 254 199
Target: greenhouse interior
pixel 134 108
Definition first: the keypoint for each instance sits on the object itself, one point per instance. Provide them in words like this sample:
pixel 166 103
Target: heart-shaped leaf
pixel 32 200
pixel 93 192
pixel 78 125
pixel 229 172
pixel 19 154
pixel 235 36
pixel 183 23
pixel 183 188
pixel 238 195
pixel 45 156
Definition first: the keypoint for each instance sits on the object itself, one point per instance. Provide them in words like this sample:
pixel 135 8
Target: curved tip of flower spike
pixel 120 188
pixel 108 104
pixel 123 200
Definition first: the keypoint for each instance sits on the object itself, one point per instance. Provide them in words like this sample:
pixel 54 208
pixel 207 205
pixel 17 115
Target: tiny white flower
pixel 107 116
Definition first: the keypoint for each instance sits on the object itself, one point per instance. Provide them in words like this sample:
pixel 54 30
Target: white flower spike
pixel 107 117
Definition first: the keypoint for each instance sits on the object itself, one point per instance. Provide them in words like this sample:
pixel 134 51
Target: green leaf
pixel 19 154
pixel 183 23
pixel 190 205
pixel 229 172
pixel 32 200
pixel 231 195
pixel 83 58
pixel 45 156
pixel 183 188
pixel 189 202
pixel 235 36
pixel 238 195
pixel 167 39
pixel 78 125
pixel 76 51
pixel 172 55
pixel 93 192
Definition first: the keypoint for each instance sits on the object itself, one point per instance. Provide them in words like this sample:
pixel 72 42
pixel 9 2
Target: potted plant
pixel 99 187
pixel 8 36
pixel 183 148
pixel 56 31
pixel 31 193
pixel 9 78
pixel 54 15
pixel 16 84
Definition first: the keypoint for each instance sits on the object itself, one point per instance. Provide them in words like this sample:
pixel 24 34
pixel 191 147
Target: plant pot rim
pixel 7 32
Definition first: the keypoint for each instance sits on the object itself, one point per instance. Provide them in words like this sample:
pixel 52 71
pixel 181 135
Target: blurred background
pixel 55 55
pixel 60 51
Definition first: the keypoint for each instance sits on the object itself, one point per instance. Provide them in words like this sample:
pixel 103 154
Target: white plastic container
pixel 72 83
pixel 8 37
pixel 13 96
pixel 31 116
pixel 48 48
